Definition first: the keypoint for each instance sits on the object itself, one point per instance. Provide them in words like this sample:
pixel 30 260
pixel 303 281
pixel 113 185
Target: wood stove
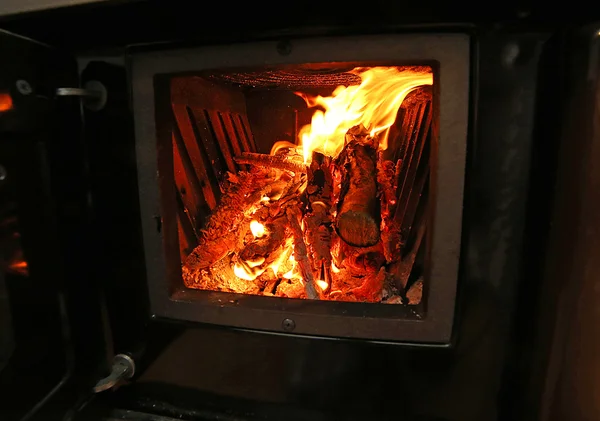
pixel 107 218
pixel 237 229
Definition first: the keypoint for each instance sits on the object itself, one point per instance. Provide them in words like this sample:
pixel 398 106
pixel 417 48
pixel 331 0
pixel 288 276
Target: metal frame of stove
pixel 448 54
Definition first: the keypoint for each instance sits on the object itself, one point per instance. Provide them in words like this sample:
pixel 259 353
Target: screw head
pixel 24 87
pixel 288 325
pixel 2 173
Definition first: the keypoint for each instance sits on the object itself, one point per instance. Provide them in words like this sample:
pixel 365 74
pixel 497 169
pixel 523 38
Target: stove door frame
pixel 449 54
pixel 54 309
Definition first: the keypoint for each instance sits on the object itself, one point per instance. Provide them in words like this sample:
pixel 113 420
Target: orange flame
pixel 374 104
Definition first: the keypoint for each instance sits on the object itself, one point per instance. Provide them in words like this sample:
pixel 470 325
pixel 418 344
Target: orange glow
pixel 374 104
pixel 6 102
pixel 258 229
pixel 291 274
pixel 322 284
pixel 20 267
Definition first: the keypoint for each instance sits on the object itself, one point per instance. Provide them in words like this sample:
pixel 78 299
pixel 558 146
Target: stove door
pixel 43 245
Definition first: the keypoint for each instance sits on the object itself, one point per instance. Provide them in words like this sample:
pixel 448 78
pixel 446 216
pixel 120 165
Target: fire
pixel 258 230
pixel 249 269
pixel 322 284
pixel 374 104
pixel 334 268
pixel 290 274
pixel 286 254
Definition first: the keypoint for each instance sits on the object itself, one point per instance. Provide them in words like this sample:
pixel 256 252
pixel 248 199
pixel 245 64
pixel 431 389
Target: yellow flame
pixel 288 248
pixel 334 268
pixel 374 104
pixel 322 284
pixel 258 229
pixel 247 273
pixel 289 274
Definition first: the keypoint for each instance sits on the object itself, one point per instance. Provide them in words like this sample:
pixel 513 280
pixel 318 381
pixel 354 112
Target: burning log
pixel 317 223
pixel 265 246
pixel 358 207
pixel 300 253
pixel 282 162
pixel 221 233
pixel 220 278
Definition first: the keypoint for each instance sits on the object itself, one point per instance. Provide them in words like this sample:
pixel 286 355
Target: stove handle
pixel 123 367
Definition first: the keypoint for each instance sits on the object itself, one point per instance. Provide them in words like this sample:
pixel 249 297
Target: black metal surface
pixel 84 28
pixel 571 389
pixel 54 308
pixel 168 298
pixel 118 258
pixel 563 345
pixel 6 332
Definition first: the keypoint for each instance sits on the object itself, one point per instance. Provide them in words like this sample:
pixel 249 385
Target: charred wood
pixel 358 208
pixel 227 225
pixel 282 162
pixel 300 253
pixel 317 222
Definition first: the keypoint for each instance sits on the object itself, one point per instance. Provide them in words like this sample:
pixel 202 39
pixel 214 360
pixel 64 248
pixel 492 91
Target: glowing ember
pixel 258 229
pixel 374 104
pixel 322 284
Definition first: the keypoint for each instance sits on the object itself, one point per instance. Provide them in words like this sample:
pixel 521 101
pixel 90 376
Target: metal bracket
pixel 93 94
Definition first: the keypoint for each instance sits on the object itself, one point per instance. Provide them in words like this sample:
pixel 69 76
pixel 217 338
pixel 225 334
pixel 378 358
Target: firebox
pixel 309 187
